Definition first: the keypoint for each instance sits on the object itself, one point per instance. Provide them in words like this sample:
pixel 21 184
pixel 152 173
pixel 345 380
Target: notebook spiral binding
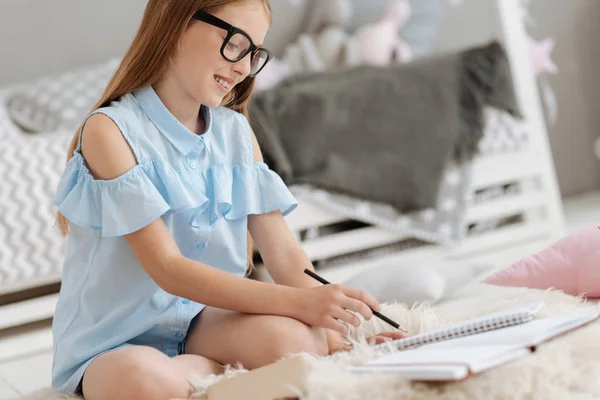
pixel 460 330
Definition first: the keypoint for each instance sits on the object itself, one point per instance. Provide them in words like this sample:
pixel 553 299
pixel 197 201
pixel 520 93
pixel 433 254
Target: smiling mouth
pixel 225 84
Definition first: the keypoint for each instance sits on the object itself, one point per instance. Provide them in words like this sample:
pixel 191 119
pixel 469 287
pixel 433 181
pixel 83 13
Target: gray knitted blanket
pixel 382 134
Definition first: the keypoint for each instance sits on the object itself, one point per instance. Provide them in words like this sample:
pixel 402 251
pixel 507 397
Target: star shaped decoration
pixel 541 55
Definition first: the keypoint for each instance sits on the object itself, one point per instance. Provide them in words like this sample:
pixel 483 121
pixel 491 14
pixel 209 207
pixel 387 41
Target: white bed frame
pixel 541 205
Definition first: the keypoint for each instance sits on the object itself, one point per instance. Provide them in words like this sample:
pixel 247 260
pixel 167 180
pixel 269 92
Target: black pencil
pixel 375 313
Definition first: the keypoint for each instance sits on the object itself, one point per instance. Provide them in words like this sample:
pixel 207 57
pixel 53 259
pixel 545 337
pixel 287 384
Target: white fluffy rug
pixel 567 368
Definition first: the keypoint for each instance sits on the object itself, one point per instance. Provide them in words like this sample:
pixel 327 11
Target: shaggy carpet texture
pixel 565 368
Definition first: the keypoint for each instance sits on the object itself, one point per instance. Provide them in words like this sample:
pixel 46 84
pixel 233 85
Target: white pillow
pixel 8 129
pixel 408 283
pixel 59 102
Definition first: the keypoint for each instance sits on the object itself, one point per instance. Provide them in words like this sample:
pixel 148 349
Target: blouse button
pixel 185 301
pixel 179 334
pixel 193 165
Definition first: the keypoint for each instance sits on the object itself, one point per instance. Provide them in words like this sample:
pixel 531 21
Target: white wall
pixel 44 37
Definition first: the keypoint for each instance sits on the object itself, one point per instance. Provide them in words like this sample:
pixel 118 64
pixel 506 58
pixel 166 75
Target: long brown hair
pixel 162 27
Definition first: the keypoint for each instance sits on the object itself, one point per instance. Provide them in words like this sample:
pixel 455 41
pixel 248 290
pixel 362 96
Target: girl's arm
pixel 286 260
pixel 108 156
pixel 283 256
pixel 277 245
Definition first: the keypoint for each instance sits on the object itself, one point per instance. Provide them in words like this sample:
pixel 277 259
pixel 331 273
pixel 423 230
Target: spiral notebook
pixel 450 354
pixel 461 350
pixel 502 319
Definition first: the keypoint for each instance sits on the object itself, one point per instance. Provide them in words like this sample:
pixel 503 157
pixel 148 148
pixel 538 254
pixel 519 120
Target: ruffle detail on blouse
pixel 128 203
pixel 149 190
pixel 245 189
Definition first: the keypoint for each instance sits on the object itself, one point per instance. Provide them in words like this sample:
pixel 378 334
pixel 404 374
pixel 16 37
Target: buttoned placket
pixel 200 221
pixel 184 306
pixel 192 157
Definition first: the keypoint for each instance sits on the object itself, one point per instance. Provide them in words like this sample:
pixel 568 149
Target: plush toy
pixel 328 14
pixel 541 55
pixel 571 265
pixel 274 72
pixel 379 43
pixel 324 45
pixel 327 43
pixel 542 64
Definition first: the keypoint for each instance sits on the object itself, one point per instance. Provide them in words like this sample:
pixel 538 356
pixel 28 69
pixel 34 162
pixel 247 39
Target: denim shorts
pixel 180 351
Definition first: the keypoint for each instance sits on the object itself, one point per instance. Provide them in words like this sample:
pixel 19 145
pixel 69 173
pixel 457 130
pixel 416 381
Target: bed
pixel 510 194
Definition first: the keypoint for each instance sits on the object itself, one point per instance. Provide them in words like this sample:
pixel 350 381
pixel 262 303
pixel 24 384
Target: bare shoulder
pixel 106 152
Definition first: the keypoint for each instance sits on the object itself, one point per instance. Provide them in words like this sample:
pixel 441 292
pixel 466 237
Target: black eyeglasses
pixel 237 44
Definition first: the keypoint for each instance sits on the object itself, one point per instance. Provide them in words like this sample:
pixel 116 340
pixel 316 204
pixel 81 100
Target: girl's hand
pixel 336 342
pixel 328 305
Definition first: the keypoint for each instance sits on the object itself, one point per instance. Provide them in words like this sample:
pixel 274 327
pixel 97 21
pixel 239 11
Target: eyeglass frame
pixel 210 19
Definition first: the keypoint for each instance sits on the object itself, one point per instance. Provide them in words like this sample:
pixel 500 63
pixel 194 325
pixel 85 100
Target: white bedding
pixel 30 167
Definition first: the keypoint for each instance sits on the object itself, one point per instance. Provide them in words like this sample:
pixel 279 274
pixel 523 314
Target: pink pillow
pixel 571 265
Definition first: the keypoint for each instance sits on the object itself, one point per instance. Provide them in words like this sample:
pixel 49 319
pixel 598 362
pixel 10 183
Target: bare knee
pixel 296 337
pixel 134 373
pixel 158 381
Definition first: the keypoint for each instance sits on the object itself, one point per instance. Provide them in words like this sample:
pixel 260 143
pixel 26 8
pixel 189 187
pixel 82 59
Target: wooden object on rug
pixel 281 380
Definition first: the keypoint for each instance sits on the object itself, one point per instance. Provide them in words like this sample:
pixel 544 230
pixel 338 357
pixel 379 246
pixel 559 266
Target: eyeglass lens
pixel 237 48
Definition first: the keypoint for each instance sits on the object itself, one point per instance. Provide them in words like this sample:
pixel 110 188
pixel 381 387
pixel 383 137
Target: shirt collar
pixel 181 137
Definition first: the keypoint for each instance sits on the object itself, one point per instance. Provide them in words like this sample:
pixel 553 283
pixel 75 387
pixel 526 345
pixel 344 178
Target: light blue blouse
pixel 203 187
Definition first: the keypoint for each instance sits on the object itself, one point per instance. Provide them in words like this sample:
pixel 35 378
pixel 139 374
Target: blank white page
pixel 524 335
pixel 466 356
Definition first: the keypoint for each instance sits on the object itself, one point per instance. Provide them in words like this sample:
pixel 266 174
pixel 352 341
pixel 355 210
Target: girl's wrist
pixel 286 301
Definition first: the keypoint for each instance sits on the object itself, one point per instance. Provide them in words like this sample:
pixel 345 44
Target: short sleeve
pixel 154 188
pixel 246 189
pixel 126 204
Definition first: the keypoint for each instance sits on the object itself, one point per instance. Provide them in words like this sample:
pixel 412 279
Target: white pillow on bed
pixel 409 283
pixel 8 130
pixel 59 102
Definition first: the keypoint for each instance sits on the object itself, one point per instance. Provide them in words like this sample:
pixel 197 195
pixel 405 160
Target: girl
pixel 165 179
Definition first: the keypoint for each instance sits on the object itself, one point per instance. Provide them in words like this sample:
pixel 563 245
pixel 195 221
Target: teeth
pixel 223 83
